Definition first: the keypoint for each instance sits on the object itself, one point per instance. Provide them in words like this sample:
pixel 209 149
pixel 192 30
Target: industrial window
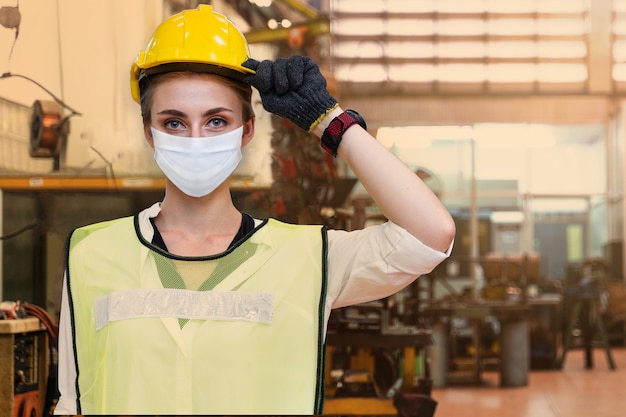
pixel 618 31
pixel 486 42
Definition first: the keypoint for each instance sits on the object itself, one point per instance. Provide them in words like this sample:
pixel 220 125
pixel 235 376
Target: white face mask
pixel 197 165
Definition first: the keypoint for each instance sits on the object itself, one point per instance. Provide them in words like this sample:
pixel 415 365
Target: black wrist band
pixel 331 138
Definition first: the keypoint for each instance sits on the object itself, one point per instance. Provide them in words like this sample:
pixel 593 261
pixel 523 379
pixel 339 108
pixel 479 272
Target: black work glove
pixel 292 88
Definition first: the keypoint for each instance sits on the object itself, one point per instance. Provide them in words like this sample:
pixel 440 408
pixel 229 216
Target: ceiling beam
pixel 467 110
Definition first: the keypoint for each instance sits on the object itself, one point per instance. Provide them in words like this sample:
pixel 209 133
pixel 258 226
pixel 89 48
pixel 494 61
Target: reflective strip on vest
pixel 163 302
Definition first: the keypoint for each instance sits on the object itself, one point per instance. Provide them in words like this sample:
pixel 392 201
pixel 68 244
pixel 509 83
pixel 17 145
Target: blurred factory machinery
pixel 534 88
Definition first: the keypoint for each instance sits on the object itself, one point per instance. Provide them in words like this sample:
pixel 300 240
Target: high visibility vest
pixel 253 344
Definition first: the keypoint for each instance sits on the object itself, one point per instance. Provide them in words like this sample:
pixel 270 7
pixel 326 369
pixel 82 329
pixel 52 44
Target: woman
pixel 191 307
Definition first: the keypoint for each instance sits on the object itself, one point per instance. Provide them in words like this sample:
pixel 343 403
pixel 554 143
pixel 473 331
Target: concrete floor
pixel 571 392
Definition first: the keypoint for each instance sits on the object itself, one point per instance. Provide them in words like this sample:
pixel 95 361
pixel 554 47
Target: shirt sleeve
pixel 67 370
pixel 375 262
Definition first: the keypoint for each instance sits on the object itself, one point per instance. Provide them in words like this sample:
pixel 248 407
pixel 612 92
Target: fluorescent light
pixel 420 136
pixel 514 136
pixel 261 3
pixel 510 217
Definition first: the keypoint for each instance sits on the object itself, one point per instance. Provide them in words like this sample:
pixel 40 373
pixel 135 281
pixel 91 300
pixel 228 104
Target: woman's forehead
pixel 192 89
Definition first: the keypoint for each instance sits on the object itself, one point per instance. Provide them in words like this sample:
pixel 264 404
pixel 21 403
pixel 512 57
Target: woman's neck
pixel 198 226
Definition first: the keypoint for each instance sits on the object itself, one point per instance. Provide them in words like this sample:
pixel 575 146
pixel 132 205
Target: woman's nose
pixel 197 131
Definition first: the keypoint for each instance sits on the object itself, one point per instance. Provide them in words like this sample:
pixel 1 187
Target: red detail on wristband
pixel 331 138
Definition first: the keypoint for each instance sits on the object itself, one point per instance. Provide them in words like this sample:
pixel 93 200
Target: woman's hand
pixel 292 88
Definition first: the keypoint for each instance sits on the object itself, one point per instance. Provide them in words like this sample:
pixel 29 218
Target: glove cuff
pixel 322 117
pixel 310 110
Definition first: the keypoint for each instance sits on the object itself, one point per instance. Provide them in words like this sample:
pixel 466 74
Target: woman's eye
pixel 173 124
pixel 216 122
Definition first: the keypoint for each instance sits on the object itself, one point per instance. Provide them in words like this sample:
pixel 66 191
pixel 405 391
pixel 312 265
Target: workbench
pixel 411 342
pixel 514 356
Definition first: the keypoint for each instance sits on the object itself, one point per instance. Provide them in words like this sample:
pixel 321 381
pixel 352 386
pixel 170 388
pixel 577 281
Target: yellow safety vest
pixel 253 344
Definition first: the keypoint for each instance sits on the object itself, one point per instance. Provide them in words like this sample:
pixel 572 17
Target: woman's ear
pixel 248 132
pixel 148 134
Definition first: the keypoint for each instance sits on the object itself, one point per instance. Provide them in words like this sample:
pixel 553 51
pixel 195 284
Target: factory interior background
pixel 512 112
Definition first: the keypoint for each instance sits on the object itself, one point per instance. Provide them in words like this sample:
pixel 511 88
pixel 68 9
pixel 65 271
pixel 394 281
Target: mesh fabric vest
pixel 249 340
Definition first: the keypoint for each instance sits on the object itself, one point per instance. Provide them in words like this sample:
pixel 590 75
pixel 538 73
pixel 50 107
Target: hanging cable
pixel 58 100
pixel 10 18
pixel 19 231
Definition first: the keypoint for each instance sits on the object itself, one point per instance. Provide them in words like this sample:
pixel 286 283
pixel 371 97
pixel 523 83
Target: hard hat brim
pixel 200 67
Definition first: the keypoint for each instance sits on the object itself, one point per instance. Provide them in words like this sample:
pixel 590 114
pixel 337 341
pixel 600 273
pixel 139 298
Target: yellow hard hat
pixel 198 40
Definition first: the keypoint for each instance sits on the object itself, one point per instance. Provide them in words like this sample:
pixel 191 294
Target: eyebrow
pixel 209 112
